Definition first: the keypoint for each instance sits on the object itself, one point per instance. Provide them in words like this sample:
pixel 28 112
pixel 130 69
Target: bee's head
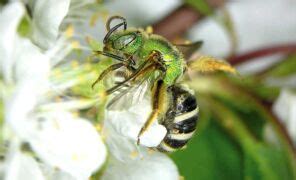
pixel 122 41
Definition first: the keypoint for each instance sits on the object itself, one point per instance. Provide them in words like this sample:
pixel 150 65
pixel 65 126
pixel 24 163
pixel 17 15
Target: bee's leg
pixel 138 71
pixel 106 71
pixel 159 97
pixel 145 72
pixel 132 78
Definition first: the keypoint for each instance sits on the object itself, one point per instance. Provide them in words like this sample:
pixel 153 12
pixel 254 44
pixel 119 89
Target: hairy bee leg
pixel 115 88
pixel 150 59
pixel 146 70
pixel 159 97
pixel 106 71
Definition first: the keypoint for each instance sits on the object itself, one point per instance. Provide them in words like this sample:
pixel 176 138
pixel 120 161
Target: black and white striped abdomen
pixel 180 120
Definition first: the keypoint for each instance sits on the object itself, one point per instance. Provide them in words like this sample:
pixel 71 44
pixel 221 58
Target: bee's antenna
pixel 111 30
pixel 116 17
pixel 118 58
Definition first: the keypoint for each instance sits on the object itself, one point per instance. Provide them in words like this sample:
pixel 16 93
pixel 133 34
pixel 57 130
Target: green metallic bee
pixel 146 57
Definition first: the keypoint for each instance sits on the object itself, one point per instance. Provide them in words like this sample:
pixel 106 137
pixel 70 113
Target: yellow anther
pixel 87 66
pixel 75 114
pixel 57 73
pixel 105 15
pixel 98 127
pixel 93 19
pixel 74 64
pixel 69 31
pixel 102 94
pixel 58 99
pixel 134 154
pixel 149 29
pixel 188 42
pixel 75 44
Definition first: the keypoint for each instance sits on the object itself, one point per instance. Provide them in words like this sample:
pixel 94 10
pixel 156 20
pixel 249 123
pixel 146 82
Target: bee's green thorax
pixel 172 58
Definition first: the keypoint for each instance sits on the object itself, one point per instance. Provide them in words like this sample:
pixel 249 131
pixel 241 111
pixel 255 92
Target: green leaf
pixel 211 154
pixel 201 6
pixel 248 114
pixel 261 161
pixel 284 68
pixel 266 162
pixel 258 87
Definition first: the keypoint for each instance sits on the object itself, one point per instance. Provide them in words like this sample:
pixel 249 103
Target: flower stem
pixel 180 20
pixel 285 48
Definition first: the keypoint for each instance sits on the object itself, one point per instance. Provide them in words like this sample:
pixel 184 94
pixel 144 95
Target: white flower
pixel 58 138
pixel 47 17
pixel 285 108
pixel 128 160
pixel 22 166
pixel 10 17
pixel 66 146
pixel 132 120
pixel 68 143
pixel 150 166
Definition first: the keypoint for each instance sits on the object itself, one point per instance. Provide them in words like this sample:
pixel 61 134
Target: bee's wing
pixel 189 49
pixel 128 96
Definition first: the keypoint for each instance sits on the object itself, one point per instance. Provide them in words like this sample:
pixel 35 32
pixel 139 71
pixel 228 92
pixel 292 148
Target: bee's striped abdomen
pixel 180 120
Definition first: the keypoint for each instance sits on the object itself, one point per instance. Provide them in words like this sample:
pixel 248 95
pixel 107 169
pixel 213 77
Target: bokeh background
pixel 247 124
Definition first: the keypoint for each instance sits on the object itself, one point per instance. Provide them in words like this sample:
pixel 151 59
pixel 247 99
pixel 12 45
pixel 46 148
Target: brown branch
pixel 286 49
pixel 179 21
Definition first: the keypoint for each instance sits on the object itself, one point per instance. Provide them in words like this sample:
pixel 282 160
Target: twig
pixel 286 49
pixel 181 19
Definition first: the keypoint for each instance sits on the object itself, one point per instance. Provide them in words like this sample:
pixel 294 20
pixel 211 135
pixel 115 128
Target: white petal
pixel 47 17
pixel 55 174
pixel 19 106
pixel 151 166
pixel 31 63
pixel 285 108
pixel 22 166
pixel 10 17
pixel 72 145
pixel 128 123
pixel 2 170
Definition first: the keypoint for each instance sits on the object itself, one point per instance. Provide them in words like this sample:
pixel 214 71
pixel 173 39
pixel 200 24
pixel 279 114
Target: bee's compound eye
pixel 123 41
